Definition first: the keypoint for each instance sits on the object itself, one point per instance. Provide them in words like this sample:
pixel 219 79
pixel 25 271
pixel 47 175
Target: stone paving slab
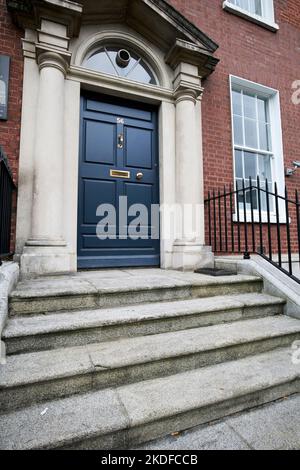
pixel 271 427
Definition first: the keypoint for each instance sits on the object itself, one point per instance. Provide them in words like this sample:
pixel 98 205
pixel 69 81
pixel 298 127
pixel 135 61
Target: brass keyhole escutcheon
pixel 139 176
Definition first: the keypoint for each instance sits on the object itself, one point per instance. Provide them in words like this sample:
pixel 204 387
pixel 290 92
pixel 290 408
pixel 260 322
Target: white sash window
pixel 257 138
pixel 258 11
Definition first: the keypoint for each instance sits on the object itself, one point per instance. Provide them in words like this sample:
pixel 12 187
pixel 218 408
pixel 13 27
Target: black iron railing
pixel 254 218
pixel 7 188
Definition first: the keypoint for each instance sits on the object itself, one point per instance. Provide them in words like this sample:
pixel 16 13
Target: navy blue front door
pixel 118 169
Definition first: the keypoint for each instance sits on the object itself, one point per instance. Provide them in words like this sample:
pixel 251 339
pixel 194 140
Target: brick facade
pixel 10 44
pixel 254 53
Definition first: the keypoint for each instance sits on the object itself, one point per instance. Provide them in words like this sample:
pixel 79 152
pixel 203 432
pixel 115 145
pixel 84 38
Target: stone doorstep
pixel 136 413
pixel 40 332
pixel 26 300
pixel 45 375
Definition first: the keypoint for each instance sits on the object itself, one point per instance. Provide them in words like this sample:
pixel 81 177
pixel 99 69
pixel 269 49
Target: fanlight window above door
pixel 121 63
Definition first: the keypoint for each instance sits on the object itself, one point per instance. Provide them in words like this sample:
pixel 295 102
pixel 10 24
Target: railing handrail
pixel 245 203
pixel 247 188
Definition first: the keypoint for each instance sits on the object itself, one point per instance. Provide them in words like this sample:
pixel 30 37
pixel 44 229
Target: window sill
pixel 264 218
pixel 264 22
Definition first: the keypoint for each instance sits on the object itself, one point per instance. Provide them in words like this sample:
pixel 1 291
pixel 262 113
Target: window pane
pixel 242 4
pixel 251 139
pixel 250 160
pixel 264 198
pixel 263 136
pixel 262 110
pixel 239 164
pixel 271 198
pixel 238 130
pixel 239 185
pixel 249 105
pixel 258 7
pixel 264 166
pixel 100 61
pixel 254 198
pixel 255 7
pixel 140 74
pixel 237 102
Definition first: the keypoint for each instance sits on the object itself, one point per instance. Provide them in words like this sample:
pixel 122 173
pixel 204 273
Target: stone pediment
pixel 156 20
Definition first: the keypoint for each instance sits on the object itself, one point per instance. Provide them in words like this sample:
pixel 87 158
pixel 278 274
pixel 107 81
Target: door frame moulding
pixel 162 97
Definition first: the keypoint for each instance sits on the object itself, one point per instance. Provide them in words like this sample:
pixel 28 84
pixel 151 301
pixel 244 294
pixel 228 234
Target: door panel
pixel 100 142
pixel 117 136
pixel 137 139
pixel 93 191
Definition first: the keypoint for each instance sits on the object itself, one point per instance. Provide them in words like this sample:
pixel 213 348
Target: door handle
pixel 139 176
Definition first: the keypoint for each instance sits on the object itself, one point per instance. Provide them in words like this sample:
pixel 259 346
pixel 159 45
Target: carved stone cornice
pixel 28 14
pixel 184 51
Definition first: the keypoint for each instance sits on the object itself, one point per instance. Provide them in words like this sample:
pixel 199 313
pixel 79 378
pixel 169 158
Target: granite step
pixel 66 329
pixel 40 376
pixel 133 414
pixel 65 293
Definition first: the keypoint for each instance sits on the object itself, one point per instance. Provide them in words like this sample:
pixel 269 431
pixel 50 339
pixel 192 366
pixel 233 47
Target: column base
pixel 190 256
pixel 41 259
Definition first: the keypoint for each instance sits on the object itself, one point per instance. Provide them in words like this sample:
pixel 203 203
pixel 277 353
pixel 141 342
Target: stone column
pixel 45 250
pixel 41 231
pixel 189 251
pixel 47 211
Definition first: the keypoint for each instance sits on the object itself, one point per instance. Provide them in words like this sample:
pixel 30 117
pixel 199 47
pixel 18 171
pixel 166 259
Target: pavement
pixel 275 426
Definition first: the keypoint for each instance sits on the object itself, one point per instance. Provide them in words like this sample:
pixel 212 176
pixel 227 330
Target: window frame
pixel 277 157
pixel 267 19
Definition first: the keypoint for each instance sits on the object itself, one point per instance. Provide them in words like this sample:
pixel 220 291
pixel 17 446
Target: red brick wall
pixel 10 44
pixel 254 53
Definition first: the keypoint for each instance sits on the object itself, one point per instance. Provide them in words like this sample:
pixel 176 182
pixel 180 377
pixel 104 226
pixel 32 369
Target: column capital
pixel 184 93
pixel 187 83
pixel 53 58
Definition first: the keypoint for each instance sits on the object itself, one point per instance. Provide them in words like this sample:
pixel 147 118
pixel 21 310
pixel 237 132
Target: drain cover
pixel 215 272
